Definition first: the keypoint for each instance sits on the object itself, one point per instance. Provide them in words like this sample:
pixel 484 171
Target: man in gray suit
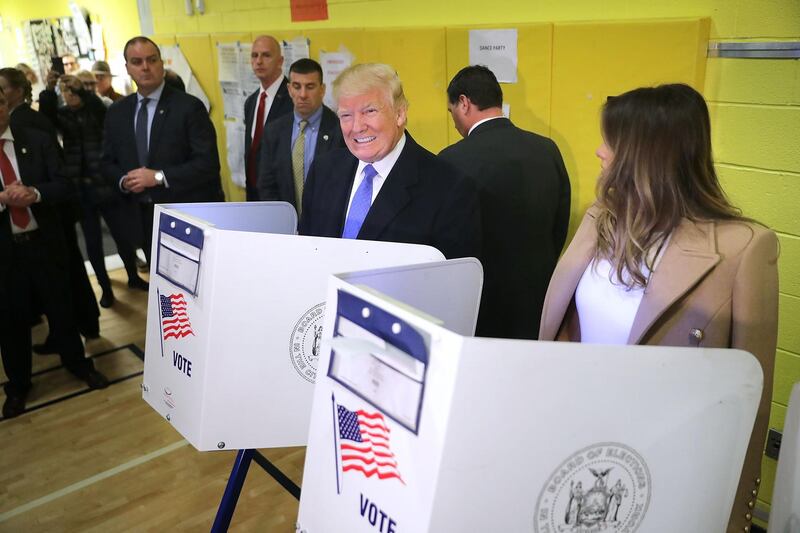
pixel 292 141
pixel 524 197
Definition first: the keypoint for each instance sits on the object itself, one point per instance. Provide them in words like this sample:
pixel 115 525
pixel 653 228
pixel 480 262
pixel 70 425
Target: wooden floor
pixel 104 461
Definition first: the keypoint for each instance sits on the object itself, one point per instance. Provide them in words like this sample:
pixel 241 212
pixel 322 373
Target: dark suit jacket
pixel 37 159
pixel 275 173
pixel 280 106
pixel 183 144
pixel 423 201
pixel 25 117
pixel 525 198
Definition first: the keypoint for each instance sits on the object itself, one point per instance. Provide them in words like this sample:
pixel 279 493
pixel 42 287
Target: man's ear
pixel 464 102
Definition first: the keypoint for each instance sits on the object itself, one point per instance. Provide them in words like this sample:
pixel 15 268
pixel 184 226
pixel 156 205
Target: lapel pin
pixel 324 137
pixel 160 111
pixel 24 150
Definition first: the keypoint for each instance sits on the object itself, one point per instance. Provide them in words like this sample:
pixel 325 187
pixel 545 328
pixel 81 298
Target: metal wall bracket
pixel 773 447
pixel 751 50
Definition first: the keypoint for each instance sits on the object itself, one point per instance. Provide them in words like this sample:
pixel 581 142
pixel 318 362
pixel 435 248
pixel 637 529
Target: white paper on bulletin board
pixel 297 48
pixel 497 50
pixel 234 135
pixel 333 63
pixel 228 61
pixel 175 60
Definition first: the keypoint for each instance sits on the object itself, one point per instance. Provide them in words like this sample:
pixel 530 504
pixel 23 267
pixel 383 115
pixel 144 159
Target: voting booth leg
pixel 232 490
pixel 235 483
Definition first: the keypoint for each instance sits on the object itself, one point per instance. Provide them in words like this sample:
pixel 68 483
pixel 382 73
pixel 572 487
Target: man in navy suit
pixel 35 260
pixel 291 142
pixel 525 200
pixel 270 102
pixel 159 144
pixel 384 186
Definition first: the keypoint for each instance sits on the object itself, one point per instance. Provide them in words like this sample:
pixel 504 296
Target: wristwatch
pixel 159 177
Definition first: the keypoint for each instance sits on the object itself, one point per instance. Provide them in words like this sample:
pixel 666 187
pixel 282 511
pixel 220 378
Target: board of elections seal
pixel 304 344
pixel 603 488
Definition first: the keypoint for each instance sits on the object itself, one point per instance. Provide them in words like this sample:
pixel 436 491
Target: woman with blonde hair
pixel 663 258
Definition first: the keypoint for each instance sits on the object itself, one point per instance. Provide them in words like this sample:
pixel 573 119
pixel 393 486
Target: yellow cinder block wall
pixel 755 104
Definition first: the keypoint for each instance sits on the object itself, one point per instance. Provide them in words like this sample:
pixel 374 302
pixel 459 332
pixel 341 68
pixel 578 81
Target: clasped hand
pixel 139 179
pixel 18 195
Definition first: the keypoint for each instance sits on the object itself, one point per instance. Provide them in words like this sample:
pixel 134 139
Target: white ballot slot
pixel 380 359
pixel 179 246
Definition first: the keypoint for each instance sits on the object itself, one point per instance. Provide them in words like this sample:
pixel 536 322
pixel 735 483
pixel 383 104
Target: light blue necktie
pixel 360 206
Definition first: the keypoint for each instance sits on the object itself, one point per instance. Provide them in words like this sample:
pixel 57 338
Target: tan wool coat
pixel 716 287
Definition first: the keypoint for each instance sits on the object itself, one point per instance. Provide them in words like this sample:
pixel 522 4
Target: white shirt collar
pixel 481 122
pixel 154 96
pixel 273 88
pixel 384 166
pixel 7 135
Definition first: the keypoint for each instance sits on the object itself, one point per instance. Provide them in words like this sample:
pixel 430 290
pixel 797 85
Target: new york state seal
pixel 304 344
pixel 603 488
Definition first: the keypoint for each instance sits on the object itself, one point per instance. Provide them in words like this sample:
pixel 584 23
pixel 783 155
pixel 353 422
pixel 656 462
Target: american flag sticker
pixel 364 444
pixel 174 318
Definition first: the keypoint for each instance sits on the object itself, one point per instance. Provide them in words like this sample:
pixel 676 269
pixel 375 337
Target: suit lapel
pixel 565 280
pixel 324 137
pixel 690 255
pixel 394 195
pixel 23 153
pixel 249 108
pixel 341 183
pixel 280 97
pixel 286 167
pixel 128 127
pixel 162 111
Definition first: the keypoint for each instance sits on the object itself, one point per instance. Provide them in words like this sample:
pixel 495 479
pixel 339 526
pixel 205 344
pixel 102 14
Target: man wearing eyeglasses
pixel 384 186
pixel 70 64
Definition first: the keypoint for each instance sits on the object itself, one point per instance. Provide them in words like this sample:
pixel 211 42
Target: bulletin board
pixel 233 193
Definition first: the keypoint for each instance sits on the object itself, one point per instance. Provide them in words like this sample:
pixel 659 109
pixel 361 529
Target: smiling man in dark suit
pixel 384 186
pixel 525 198
pixel 293 141
pixel 34 264
pixel 159 144
pixel 270 102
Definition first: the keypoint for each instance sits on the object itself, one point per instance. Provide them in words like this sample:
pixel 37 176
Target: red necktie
pixel 252 171
pixel 19 215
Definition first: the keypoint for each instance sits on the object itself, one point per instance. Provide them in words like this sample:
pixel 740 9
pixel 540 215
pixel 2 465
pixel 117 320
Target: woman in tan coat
pixel 663 258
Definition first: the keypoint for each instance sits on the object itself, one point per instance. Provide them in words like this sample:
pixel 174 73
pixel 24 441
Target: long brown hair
pixel 661 171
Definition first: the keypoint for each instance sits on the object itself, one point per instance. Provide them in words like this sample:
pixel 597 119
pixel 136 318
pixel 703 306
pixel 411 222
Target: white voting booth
pixel 235 318
pixel 418 428
pixel 784 514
